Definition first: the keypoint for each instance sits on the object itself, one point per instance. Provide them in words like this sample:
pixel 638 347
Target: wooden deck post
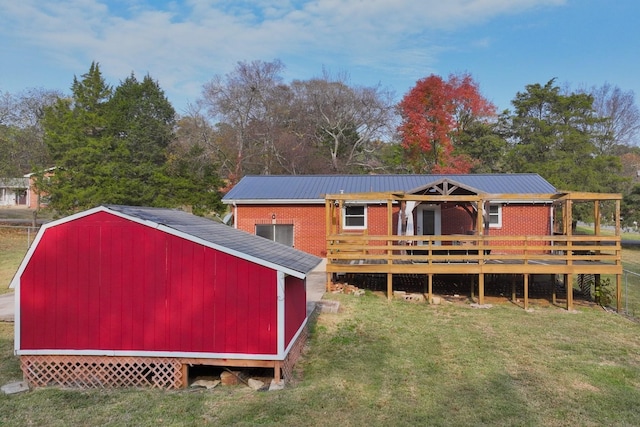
pixel 569 287
pixel 430 288
pixel 481 288
pixel 525 278
pixel 472 290
pixel 513 288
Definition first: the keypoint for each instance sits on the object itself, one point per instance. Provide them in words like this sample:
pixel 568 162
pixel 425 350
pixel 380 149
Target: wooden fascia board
pixel 590 197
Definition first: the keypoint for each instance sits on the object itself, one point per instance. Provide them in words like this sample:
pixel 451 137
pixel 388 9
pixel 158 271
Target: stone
pixel 475 305
pixel 230 378
pixel 208 384
pixel 329 306
pixel 255 384
pixel 274 386
pixel 13 388
pixel 436 300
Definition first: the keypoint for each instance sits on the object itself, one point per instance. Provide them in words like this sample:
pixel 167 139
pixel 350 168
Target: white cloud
pixel 182 42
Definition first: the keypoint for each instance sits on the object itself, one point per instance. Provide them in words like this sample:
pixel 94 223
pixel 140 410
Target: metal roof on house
pixel 14 183
pixel 312 188
pixel 225 238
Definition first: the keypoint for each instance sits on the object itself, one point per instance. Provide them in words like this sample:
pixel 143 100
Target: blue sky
pixel 503 44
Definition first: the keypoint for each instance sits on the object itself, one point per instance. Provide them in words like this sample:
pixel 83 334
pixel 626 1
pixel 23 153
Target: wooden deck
pixel 563 254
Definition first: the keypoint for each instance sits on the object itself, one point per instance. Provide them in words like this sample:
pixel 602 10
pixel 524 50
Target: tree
pixel 557 136
pixel 112 146
pixel 22 149
pixel 317 126
pixel 75 133
pixel 140 121
pixel 343 121
pixel 244 100
pixel 630 208
pixel 436 114
pixel 622 124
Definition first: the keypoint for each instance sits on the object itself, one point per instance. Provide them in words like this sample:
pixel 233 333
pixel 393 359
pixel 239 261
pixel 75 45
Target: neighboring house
pixel 291 209
pixel 120 295
pixel 22 192
pixel 14 192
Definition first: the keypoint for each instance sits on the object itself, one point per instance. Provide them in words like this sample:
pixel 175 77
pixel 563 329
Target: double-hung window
pixel 495 215
pixel 354 217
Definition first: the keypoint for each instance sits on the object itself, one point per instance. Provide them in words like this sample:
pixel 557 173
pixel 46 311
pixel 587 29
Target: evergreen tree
pixel 75 134
pixel 557 136
pixel 111 146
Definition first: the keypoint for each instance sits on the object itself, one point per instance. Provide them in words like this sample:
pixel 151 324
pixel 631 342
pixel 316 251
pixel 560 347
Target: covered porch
pixel 410 242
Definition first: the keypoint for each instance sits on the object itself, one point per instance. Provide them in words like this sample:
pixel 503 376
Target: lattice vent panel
pixel 101 371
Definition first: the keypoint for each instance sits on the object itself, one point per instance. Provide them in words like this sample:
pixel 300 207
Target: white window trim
pixel 499 214
pixel 344 217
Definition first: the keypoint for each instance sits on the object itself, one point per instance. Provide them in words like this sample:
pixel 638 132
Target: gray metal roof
pixel 14 182
pixel 314 187
pixel 236 242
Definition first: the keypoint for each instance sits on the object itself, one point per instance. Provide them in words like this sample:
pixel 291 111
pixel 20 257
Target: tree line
pixel 127 145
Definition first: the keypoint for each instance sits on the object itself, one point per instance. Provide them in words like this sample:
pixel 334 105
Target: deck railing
pixel 473 254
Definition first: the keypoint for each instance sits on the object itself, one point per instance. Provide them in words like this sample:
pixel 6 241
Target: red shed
pixel 121 295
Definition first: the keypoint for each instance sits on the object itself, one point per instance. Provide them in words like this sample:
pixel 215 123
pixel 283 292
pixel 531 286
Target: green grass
pixel 14 243
pixel 378 363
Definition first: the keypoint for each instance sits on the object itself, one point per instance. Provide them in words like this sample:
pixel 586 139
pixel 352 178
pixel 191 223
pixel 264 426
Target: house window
pixel 495 216
pixel 354 217
pixel 281 233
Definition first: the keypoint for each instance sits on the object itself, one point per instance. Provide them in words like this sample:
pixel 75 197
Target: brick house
pixel 291 209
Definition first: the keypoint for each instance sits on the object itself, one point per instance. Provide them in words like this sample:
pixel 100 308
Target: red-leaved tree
pixel 434 115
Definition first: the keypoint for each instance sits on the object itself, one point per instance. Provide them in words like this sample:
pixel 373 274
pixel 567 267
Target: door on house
pixel 428 221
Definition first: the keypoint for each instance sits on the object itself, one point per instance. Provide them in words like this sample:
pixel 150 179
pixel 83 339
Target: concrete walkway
pixel 316 286
pixel 7 307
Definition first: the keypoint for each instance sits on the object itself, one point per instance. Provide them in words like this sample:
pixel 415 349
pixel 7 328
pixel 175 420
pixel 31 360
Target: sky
pixel 182 44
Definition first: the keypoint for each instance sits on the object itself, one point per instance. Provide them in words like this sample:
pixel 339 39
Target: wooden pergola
pixel 561 252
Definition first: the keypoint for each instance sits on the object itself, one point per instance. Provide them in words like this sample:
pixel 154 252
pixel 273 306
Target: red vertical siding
pixel 295 307
pixel 105 283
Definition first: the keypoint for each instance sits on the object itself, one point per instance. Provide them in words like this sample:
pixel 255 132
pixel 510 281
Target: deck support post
pixel 389 286
pixel 472 291
pixel 513 288
pixel 569 287
pixel 481 288
pixel 618 293
pixel 525 279
pixel 430 288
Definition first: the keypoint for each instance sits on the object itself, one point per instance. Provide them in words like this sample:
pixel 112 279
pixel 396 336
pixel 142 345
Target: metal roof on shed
pixel 314 187
pixel 223 237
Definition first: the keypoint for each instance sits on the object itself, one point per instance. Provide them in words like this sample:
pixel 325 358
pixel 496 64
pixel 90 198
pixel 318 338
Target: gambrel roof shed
pixel 151 282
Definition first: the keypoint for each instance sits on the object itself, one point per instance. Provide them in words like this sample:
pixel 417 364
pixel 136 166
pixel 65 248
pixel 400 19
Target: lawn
pixel 390 363
pixel 380 363
pixel 14 243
